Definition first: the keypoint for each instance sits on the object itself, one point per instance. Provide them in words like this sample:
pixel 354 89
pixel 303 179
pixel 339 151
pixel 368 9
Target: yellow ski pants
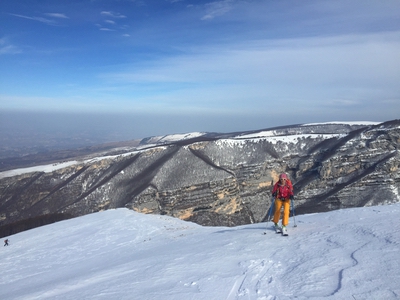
pixel 286 209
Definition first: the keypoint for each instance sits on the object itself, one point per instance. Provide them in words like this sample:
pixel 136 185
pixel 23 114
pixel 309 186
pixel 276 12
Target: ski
pixel 280 230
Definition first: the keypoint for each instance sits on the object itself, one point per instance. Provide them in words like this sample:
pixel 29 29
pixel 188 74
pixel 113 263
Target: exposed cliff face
pixel 216 179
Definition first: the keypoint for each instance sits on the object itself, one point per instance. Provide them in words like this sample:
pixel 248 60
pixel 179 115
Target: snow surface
pixel 180 136
pixel 341 122
pixel 288 138
pixel 41 168
pixel 48 168
pixel 121 254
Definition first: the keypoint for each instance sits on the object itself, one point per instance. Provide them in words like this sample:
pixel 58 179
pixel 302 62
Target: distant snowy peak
pixel 172 138
pixel 329 128
pixel 288 133
pixel 363 123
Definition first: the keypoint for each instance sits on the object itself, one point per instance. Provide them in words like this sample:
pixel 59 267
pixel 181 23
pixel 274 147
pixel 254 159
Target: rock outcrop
pixel 214 179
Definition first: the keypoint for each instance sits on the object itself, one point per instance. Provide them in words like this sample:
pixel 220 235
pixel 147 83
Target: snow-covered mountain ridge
pixel 212 178
pixel 121 254
pixel 272 135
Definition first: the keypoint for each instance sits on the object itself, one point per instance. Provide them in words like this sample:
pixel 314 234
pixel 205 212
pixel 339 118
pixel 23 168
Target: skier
pixel 6 242
pixel 283 193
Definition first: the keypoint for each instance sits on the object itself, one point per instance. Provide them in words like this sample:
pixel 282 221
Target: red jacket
pixel 283 191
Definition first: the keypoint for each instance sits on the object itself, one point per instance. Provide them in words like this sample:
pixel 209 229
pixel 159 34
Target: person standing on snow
pixel 6 242
pixel 283 193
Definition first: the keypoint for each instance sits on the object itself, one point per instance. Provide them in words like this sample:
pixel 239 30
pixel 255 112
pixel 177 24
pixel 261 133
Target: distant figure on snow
pixel 6 242
pixel 283 193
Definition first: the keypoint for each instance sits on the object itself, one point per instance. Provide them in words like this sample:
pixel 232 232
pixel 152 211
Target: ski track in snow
pixel 345 254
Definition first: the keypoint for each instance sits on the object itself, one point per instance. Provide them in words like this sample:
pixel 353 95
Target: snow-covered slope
pixel 121 254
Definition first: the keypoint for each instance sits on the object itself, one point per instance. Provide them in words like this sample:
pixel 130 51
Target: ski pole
pixel 269 212
pixel 272 207
pixel 294 216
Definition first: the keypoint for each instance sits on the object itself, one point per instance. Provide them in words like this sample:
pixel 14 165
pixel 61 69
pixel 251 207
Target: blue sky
pixel 182 65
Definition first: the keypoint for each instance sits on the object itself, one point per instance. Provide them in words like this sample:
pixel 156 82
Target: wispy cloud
pixel 113 14
pixel 49 20
pixel 38 19
pixel 111 23
pixel 216 9
pixel 57 15
pixel 7 48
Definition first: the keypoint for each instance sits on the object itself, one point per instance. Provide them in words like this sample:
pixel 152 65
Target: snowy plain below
pixel 122 254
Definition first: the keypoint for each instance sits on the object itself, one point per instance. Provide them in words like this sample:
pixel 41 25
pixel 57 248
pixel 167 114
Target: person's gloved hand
pixel 274 194
pixel 291 197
